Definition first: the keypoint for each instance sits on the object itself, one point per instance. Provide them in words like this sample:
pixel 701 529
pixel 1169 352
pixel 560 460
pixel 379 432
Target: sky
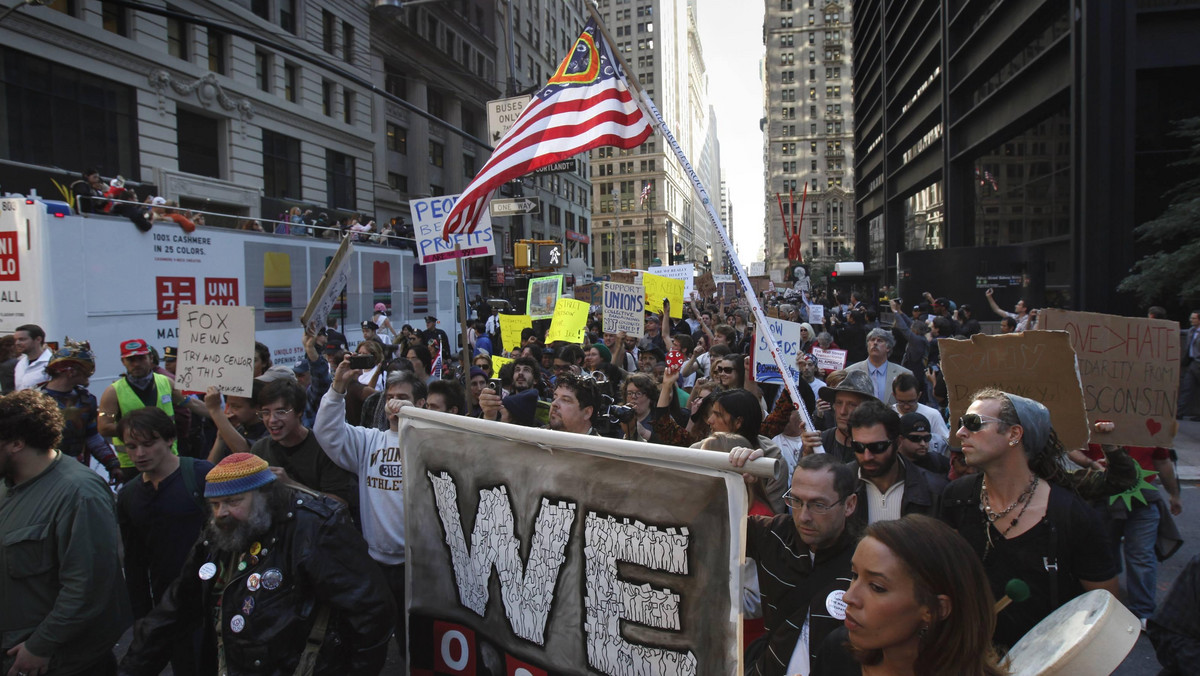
pixel 731 36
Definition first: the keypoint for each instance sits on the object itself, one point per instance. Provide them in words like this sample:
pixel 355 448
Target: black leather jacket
pixel 322 559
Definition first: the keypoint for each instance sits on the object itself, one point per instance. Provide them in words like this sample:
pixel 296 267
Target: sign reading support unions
pixel 216 349
pixel 428 217
pixel 624 309
pixel 604 561
pixel 1130 372
pixel 787 335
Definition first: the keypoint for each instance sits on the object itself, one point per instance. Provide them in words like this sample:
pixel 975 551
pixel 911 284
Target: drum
pixel 1089 636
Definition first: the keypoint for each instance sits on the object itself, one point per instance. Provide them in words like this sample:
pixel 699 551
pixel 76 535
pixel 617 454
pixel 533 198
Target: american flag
pixel 586 104
pixel 645 195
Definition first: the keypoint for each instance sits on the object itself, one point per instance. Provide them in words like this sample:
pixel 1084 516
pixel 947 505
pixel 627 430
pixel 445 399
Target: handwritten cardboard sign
pixel 511 327
pixel 543 294
pixel 569 322
pixel 428 217
pixel 705 286
pixel 1130 372
pixel 1039 365
pixel 216 349
pixel 829 360
pixel 498 363
pixel 624 309
pixel 658 288
pixel 332 283
pixel 787 337
pixel 623 277
pixel 588 293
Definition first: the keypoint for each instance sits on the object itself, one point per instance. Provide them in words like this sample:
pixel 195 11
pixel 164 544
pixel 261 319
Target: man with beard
pixel 574 404
pixel 889 486
pixel 848 395
pixel 526 374
pixel 60 611
pixel 281 576
pixel 138 388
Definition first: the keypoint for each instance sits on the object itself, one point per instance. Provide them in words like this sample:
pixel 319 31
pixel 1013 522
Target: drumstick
pixel 1015 590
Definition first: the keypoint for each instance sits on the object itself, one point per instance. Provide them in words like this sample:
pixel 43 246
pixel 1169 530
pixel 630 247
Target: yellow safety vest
pixel 129 401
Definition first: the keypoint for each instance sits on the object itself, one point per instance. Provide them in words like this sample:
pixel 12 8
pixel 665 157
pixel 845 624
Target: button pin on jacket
pixel 208 570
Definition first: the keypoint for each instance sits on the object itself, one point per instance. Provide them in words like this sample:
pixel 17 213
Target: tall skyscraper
pixel 808 125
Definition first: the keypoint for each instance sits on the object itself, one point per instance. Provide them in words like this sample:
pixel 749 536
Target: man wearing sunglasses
pixel 1021 525
pixel 847 396
pixel 915 442
pixel 889 486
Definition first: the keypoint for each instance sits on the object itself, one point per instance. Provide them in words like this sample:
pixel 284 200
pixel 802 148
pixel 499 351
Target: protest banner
pixel 625 309
pixel 1039 365
pixel 543 294
pixel 685 272
pixel 787 336
pixel 569 322
pixel 511 327
pixel 325 295
pixel 497 364
pixel 1130 372
pixel 816 314
pixel 829 360
pixel 568 553
pixel 428 217
pixel 705 286
pixel 216 349
pixel 657 288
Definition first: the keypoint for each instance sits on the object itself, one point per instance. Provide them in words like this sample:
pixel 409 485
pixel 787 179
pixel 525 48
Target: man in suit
pixel 1189 388
pixel 881 371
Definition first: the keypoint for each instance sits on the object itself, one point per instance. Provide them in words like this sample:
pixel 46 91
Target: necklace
pixel 1023 499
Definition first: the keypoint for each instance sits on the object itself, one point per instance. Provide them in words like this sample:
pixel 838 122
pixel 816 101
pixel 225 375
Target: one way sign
pixel 516 206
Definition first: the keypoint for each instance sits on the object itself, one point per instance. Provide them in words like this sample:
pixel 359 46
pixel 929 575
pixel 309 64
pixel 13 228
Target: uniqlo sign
pixel 171 292
pixel 10 265
pixel 220 291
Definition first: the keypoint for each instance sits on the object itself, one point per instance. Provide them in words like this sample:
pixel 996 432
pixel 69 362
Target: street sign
pixel 502 113
pixel 571 165
pixel 516 206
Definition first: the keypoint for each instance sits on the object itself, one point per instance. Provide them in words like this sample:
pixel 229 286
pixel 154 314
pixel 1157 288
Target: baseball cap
pixel 380 307
pixel 134 347
pixel 158 201
pixel 913 423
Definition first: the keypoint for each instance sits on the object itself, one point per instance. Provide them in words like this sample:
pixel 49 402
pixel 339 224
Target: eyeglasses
pixel 918 438
pixel 973 422
pixel 634 394
pixel 278 414
pixel 875 447
pixel 817 507
pixel 725 369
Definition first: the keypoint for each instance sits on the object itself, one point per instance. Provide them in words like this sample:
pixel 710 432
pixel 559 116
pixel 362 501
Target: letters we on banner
pixel 1130 372
pixel 216 349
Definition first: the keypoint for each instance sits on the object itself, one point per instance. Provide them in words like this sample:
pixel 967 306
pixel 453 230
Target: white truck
pixel 98 278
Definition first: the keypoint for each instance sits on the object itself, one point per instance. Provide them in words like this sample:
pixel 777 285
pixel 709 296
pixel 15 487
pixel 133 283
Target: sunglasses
pixel 875 447
pixel 725 369
pixel 973 422
pixel 918 438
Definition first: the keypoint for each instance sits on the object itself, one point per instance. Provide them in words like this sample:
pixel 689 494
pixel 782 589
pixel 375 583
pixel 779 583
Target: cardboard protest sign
pixel 511 327
pixel 760 285
pixel 829 360
pixel 325 295
pixel 1039 365
pixel 497 364
pixel 705 286
pixel 729 291
pixel 624 309
pixel 569 322
pixel 1130 372
pixel 428 217
pixel 555 553
pixel 543 294
pixel 658 288
pixel 685 272
pixel 588 293
pixel 787 337
pixel 216 349
pixel 623 277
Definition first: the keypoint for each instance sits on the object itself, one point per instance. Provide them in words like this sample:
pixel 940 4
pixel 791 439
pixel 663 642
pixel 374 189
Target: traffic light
pixel 521 255
pixel 550 255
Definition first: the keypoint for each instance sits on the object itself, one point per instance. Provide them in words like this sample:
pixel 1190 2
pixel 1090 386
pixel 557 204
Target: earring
pixel 923 631
pixel 1012 443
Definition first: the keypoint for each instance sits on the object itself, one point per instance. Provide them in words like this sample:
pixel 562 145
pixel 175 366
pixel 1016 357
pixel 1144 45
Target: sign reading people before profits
pixel 216 349
pixel 685 272
pixel 511 327
pixel 787 337
pixel 543 294
pixel 540 551
pixel 658 288
pixel 1038 365
pixel 625 309
pixel 1130 372
pixel 428 217
pixel 569 323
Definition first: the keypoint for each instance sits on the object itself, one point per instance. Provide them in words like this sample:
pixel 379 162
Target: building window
pixel 199 143
pixel 468 166
pixel 339 176
pixel 398 182
pixel 395 82
pixel 287 15
pixel 328 28
pixel 261 8
pixel 348 43
pixel 291 82
pixel 177 39
pixel 437 154
pixel 348 111
pixel 436 190
pixel 435 103
pixel 114 18
pixel 281 166
pixel 327 88
pixel 264 66
pixel 216 52
pixel 397 138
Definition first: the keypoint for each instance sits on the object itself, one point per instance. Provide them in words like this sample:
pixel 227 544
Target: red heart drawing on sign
pixel 1153 425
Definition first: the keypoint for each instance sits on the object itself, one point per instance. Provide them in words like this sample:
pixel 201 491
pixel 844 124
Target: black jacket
pixel 922 492
pixel 322 560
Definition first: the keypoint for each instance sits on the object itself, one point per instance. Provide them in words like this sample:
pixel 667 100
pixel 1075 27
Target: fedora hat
pixel 857 382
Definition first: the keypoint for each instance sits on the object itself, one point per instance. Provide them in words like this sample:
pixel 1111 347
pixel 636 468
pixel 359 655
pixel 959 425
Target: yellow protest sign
pixel 510 330
pixel 497 362
pixel 569 322
pixel 658 287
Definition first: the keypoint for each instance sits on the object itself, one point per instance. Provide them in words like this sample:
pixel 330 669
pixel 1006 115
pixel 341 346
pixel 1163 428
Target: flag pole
pixel 762 327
